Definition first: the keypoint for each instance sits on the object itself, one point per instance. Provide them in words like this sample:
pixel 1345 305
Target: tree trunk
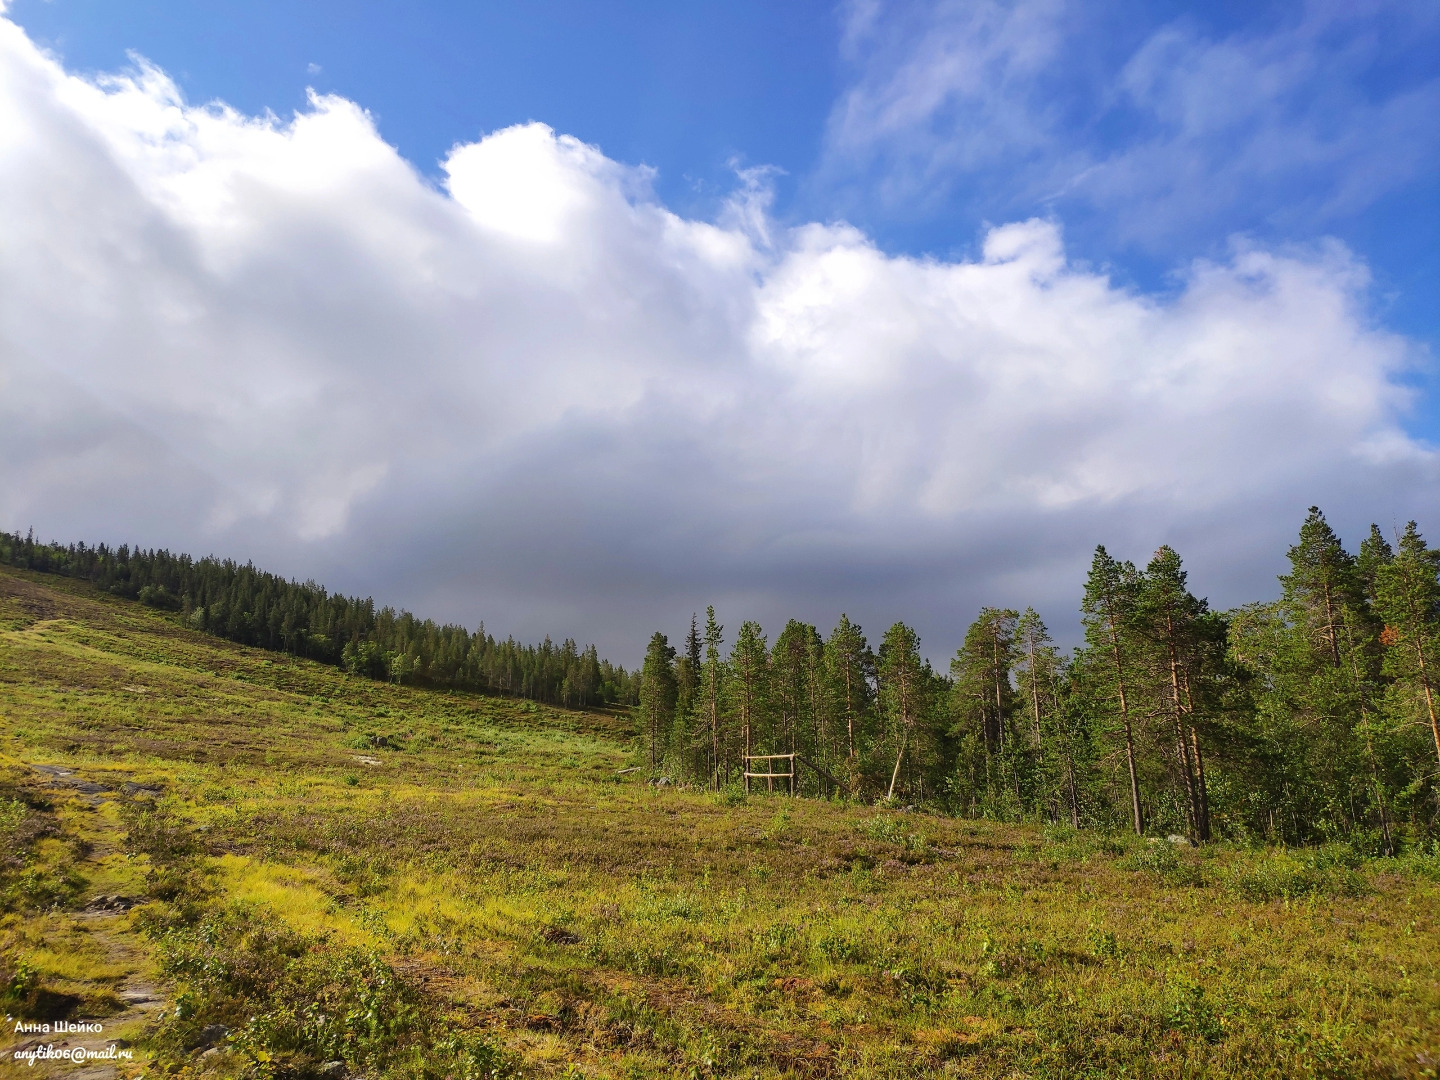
pixel 999 693
pixel 1200 781
pixel 1370 747
pixel 1074 794
pixel 1129 734
pixel 1429 693
pixel 1185 764
pixel 714 730
pixel 849 712
pixel 1035 702
pixel 1330 628
pixel 898 757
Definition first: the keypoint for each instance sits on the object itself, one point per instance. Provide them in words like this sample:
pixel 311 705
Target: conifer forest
pixel 1302 719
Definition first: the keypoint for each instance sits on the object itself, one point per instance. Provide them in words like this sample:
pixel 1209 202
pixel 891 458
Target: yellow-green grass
pixel 496 855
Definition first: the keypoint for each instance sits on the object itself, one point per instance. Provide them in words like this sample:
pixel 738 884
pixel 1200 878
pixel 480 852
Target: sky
pixel 574 318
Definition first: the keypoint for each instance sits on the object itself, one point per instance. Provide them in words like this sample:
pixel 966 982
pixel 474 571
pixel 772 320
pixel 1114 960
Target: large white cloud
pixel 536 396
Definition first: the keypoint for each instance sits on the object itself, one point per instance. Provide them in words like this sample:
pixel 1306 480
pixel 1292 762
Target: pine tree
pixel 1039 676
pixel 749 669
pixel 1326 674
pixel 790 695
pixel 851 667
pixel 821 707
pixel 983 706
pixel 1171 618
pixel 903 690
pixel 1375 555
pixel 1109 612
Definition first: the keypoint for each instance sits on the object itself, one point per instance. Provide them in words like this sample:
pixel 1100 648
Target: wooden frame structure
pixel 770 776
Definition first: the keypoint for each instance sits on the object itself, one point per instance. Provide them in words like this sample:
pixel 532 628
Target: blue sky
pixel 890 308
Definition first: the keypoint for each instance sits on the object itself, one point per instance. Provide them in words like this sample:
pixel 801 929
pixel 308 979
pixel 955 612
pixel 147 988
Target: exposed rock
pixel 112 903
pixel 211 1034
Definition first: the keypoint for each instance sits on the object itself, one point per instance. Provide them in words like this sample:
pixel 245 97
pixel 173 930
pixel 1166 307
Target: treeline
pixel 1311 717
pixel 249 606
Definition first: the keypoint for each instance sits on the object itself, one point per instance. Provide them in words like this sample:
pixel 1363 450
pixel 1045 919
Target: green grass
pixel 432 884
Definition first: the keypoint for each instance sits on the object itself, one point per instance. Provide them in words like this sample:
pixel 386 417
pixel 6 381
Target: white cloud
pixel 539 397
pixel 941 90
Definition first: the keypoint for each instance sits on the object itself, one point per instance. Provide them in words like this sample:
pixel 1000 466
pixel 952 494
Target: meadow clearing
pixel 247 864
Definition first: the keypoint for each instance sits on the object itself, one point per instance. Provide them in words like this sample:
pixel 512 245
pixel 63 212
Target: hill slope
pixel 236 849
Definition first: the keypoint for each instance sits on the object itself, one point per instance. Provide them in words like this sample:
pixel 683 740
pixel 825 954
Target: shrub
pixel 1165 861
pixel 1284 876
pixel 1192 1014
pixel 290 1001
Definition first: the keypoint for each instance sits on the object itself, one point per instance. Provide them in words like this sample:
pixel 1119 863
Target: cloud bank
pixel 532 394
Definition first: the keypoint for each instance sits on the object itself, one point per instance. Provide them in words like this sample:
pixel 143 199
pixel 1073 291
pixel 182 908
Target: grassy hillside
pixel 250 865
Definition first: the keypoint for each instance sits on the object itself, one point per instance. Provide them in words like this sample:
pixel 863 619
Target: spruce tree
pixel 658 690
pixel 714 677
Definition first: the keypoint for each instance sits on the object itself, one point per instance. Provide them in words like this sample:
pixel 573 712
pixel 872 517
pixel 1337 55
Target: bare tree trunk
pixel 904 691
pixel 1035 703
pixel 904 734
pixel 1429 694
pixel 1074 794
pixel 1330 627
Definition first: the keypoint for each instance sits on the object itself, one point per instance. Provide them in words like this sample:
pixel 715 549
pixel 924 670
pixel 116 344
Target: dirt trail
pixel 117 951
pixel 141 999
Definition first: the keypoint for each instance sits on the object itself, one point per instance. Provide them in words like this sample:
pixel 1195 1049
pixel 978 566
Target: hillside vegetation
pixel 251 864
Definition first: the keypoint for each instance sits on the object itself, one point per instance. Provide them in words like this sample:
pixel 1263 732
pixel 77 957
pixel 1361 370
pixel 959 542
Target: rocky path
pixel 101 931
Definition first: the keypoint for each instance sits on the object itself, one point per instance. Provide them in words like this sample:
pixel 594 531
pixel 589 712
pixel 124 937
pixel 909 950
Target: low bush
pixel 1288 875
pixel 1167 862
pixel 289 1001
